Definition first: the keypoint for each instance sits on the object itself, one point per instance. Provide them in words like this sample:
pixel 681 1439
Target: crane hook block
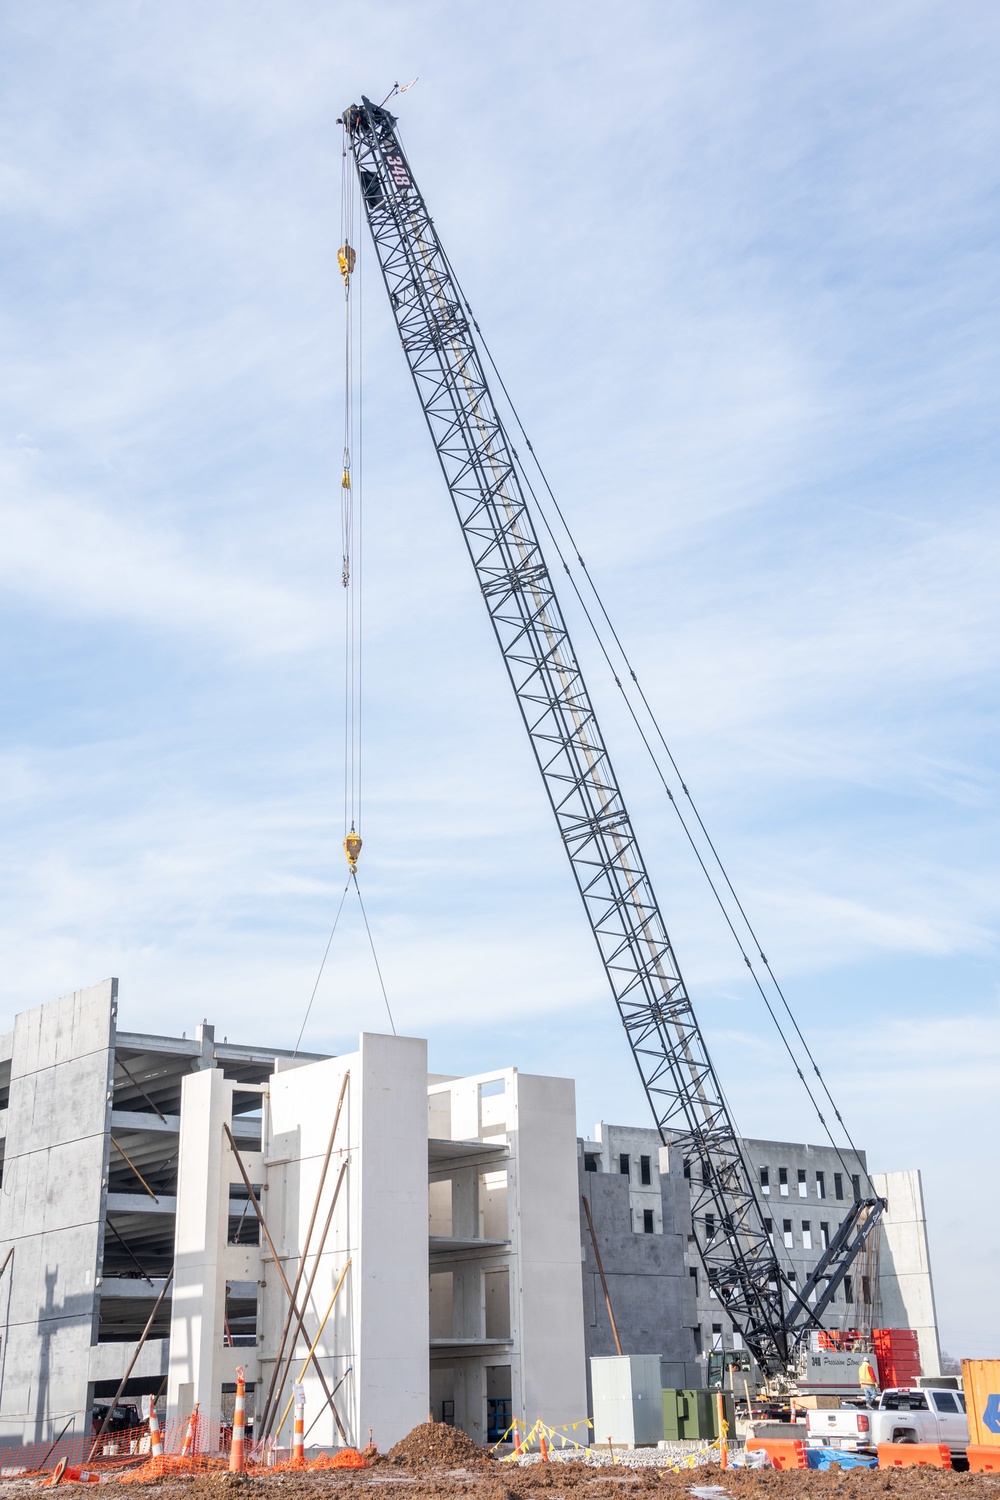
pixel 345 483
pixel 345 260
pixel 352 848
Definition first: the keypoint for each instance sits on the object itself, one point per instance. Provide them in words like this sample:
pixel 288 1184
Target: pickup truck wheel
pixel 906 1436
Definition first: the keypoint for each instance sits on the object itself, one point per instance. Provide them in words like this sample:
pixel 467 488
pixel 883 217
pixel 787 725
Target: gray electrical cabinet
pixel 628 1405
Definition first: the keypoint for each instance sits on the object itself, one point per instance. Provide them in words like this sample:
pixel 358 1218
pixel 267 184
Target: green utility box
pixel 690 1415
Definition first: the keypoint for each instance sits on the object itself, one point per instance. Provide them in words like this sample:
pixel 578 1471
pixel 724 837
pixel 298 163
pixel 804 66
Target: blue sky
pixel 739 269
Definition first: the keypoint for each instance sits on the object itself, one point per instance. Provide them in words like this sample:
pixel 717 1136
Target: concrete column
pixel 470 1398
pixel 465 1203
pixel 468 1302
pixel 200 1363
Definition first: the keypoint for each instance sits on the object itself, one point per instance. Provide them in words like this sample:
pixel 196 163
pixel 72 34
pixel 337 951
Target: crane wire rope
pixel 322 965
pixel 595 628
pixel 351 510
pixel 352 574
pixel 371 943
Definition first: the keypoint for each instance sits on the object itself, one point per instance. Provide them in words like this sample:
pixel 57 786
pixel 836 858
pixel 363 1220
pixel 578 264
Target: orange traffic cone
pixel 190 1432
pixel 298 1435
pixel 237 1453
pixel 155 1436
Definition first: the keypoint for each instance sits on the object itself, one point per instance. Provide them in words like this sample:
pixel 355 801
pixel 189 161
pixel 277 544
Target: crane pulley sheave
pixel 479 468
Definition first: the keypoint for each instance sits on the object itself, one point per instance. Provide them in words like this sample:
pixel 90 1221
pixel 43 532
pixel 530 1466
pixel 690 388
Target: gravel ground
pixel 438 1463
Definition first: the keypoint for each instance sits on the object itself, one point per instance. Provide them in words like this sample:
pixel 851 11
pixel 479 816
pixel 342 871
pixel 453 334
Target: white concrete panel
pixel 548 1215
pixel 906 1286
pixel 392 1276
pixel 379 1324
pixel 199 1360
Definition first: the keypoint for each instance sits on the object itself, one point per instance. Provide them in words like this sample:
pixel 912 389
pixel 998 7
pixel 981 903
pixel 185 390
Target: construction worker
pixel 868 1381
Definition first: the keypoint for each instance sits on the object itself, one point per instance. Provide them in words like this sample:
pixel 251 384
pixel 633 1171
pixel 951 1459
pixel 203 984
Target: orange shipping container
pixel 981 1380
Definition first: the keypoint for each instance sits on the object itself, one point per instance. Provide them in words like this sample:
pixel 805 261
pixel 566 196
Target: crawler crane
pixel 480 470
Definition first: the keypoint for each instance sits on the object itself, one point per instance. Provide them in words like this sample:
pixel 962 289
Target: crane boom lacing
pixel 482 476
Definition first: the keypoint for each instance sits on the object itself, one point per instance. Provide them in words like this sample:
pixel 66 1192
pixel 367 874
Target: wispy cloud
pixel 740 273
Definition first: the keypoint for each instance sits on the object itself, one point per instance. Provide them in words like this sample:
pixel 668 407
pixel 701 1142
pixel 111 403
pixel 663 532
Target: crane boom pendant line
pixel 479 468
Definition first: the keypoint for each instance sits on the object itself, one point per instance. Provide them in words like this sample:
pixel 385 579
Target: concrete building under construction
pixel 163 1195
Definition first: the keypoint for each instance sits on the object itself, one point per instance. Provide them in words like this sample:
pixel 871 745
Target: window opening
pixel 824 1235
pixel 647 1221
pixel 786 1229
pixel 645 1176
pixel 498 1402
pixel 244 1226
pixel 848 1289
pixel 589 1162
pixel 838 1185
pixel 807 1239
pixel 623 1164
pixel 856 1186
pixel 765 1181
pixel 803 1186
pixel 820 1184
pixel 693 1273
pixel 783 1181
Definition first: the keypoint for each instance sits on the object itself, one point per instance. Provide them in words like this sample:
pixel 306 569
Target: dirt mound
pixel 435 1445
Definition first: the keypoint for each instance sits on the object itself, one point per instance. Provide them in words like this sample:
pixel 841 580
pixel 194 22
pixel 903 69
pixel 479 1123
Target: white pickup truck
pixel 909 1415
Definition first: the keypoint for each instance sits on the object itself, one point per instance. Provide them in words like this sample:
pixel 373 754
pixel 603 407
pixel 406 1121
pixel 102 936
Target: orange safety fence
pixel 983 1459
pixel 258 1461
pixel 344 1458
pixel 126 1455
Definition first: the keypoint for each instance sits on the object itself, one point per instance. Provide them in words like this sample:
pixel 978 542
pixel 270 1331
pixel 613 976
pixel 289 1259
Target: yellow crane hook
pixel 345 260
pixel 352 848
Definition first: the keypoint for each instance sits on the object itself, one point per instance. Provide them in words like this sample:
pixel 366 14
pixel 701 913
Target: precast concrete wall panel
pixel 652 1294
pixel 906 1287
pixel 51 1211
pixel 393 1280
pixel 378 1327
pixel 552 1355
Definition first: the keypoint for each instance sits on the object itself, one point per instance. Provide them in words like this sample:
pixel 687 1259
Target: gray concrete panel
pixel 51 1210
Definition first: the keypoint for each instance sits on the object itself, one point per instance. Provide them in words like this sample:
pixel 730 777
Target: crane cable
pixel 351 576
pixel 595 628
pixel 350 522
pixel 322 965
